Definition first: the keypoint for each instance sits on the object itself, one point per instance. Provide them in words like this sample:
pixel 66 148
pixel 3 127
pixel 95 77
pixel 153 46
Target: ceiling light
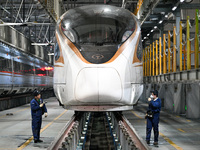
pixel 174 8
pixel 152 30
pixel 166 16
pixel 155 27
pixel 145 37
pixel 154 18
pixel 148 34
pixel 142 40
pixel 160 21
pixel 51 54
pixel 182 1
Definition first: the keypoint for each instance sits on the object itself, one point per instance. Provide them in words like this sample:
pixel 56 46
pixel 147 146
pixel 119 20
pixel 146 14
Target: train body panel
pixel 98 63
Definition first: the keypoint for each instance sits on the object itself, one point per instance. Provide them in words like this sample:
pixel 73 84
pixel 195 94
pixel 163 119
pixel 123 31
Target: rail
pixel 93 130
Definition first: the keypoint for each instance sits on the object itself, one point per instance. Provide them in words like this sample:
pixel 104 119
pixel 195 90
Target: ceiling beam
pixel 190 6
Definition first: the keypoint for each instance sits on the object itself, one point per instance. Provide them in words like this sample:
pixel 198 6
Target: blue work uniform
pixel 36 113
pixel 155 107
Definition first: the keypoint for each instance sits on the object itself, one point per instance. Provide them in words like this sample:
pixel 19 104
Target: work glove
pixel 45 114
pixel 41 105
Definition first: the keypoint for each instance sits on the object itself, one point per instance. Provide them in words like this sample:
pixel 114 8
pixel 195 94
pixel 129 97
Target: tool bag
pixel 149 114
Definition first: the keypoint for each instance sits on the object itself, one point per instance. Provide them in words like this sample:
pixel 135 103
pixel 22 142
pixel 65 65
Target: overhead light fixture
pixel 145 37
pixel 182 1
pixel 174 8
pixel 160 21
pixel 142 40
pixel 166 16
pixel 148 34
pixel 152 30
pixel 51 54
pixel 155 27
pixel 154 18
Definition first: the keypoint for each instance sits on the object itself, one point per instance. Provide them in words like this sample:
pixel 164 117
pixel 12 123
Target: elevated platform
pixel 175 132
pixel 16 131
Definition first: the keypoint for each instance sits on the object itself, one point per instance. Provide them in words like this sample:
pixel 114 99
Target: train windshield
pixel 98 24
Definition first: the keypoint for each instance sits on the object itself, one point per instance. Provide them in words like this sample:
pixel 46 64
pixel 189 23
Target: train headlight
pixel 69 35
pixel 126 35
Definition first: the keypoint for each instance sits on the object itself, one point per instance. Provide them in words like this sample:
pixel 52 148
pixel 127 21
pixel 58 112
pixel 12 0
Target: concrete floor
pixel 15 129
pixel 176 132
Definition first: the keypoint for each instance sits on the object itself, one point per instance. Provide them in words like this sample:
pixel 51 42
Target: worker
pixel 38 108
pixel 153 114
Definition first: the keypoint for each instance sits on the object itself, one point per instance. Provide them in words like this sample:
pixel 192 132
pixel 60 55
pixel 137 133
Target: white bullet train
pixel 98 59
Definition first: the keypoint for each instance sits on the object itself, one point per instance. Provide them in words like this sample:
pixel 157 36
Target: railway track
pixel 98 131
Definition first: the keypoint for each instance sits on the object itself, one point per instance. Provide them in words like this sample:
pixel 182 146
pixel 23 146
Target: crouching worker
pixel 152 117
pixel 38 108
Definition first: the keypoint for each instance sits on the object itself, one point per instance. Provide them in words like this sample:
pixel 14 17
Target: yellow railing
pixel 161 58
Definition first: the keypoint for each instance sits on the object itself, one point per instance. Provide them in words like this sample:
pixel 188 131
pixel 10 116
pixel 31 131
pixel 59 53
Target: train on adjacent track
pixel 98 59
pixel 22 73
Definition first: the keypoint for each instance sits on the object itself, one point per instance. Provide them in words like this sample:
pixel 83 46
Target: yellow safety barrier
pixel 181 55
pixel 143 62
pixel 153 60
pixel 163 59
pixel 188 45
pixel 164 56
pixel 150 61
pixel 157 57
pixel 169 53
pixel 160 54
pixel 174 49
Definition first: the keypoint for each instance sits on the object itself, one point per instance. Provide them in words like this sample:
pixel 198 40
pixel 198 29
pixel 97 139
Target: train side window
pixel 5 64
pixel 16 66
pixel 28 69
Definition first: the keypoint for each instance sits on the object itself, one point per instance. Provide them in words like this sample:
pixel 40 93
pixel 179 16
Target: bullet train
pixel 98 59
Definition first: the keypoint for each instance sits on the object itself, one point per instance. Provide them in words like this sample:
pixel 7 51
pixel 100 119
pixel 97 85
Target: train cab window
pixel 98 31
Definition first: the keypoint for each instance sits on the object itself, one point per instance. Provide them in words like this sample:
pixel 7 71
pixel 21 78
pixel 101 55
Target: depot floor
pixel 16 132
pixel 176 132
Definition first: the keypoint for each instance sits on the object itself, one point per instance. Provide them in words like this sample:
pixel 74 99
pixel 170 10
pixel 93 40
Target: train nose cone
pixel 98 85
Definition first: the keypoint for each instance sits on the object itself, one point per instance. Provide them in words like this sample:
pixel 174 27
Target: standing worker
pixel 38 108
pixel 153 114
